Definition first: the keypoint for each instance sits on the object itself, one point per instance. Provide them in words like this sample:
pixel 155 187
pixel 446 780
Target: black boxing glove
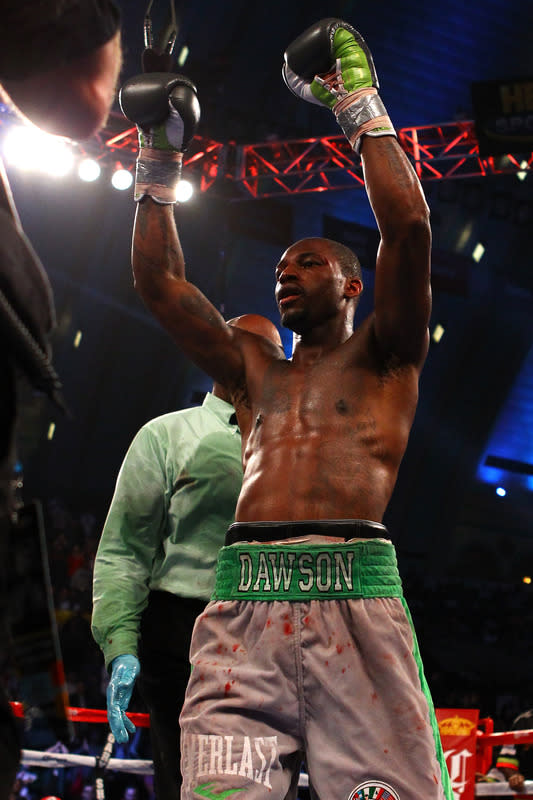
pixel 330 64
pixel 165 108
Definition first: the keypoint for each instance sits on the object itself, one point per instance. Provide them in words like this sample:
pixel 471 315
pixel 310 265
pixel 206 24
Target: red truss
pixel 202 159
pixel 438 152
pixel 450 150
pixel 297 166
pixel 325 163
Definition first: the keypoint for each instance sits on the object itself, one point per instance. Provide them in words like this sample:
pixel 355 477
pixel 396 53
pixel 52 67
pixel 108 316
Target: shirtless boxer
pixel 279 673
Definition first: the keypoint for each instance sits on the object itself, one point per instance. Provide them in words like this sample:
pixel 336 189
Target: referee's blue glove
pixel 124 671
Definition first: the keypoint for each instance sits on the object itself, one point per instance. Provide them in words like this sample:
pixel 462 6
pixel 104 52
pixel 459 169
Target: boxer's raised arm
pixel 181 308
pixel 330 65
pixel 402 292
pixel 165 108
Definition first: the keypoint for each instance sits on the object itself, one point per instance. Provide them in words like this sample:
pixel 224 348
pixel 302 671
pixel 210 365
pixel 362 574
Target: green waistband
pixel 307 571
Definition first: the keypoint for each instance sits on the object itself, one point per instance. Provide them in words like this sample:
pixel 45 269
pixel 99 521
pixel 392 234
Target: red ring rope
pixel 88 715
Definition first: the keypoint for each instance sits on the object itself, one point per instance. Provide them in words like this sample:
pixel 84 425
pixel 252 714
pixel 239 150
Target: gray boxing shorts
pixel 307 649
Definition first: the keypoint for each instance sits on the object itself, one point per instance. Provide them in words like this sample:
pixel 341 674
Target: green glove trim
pixel 355 71
pixel 167 136
pixel 353 59
pixel 155 139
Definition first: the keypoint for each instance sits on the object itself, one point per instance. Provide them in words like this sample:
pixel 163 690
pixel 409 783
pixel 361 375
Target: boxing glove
pixel 330 64
pixel 165 108
pixel 124 672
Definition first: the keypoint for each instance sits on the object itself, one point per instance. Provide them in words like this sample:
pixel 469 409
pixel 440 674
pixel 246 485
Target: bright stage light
pixel 438 333
pixel 184 53
pixel 184 191
pixel 522 174
pixel 59 160
pixel 121 179
pixel 19 147
pixel 31 149
pixel 500 491
pixel 477 253
pixel 89 170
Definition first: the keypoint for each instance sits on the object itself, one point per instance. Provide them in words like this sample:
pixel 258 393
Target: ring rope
pixel 501 788
pixel 140 720
pixel 89 715
pixel 145 766
pixel 36 758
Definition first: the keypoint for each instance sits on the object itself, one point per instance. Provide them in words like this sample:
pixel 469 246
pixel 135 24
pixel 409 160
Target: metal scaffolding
pixel 439 152
pixel 325 163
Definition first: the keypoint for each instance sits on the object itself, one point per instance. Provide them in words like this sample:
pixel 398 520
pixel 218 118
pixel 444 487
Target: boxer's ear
pixel 353 286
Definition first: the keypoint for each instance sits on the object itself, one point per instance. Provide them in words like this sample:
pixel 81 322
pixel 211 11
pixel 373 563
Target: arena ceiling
pixel 474 428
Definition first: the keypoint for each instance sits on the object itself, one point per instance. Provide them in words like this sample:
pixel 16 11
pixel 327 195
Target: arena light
pixel 59 159
pixel 77 339
pixel 121 179
pixel 522 173
pixel 478 251
pixel 526 579
pixel 30 149
pixel 89 170
pixel 438 333
pixel 464 236
pixel 184 191
pixel 51 431
pixel 501 492
pixel 184 54
pixel 18 151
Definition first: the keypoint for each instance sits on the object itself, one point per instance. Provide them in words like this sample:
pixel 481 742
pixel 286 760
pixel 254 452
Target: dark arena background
pixel 266 170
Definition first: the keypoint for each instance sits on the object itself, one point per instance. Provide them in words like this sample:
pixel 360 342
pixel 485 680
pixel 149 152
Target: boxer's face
pixel 309 284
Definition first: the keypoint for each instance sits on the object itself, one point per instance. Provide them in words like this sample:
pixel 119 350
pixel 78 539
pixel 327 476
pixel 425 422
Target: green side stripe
pixel 446 782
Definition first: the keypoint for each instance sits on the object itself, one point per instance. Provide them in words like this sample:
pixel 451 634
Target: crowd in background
pixel 474 640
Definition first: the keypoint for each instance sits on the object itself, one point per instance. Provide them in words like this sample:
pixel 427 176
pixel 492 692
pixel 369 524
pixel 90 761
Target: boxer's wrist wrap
pixel 157 174
pixel 363 113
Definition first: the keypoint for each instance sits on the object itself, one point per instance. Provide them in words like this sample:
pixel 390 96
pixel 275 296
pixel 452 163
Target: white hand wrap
pixel 157 175
pixel 363 113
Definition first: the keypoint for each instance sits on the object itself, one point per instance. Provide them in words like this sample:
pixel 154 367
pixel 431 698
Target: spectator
pixel 515 761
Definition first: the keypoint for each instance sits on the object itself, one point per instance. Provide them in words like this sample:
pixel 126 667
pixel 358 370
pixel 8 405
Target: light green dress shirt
pixel 174 499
